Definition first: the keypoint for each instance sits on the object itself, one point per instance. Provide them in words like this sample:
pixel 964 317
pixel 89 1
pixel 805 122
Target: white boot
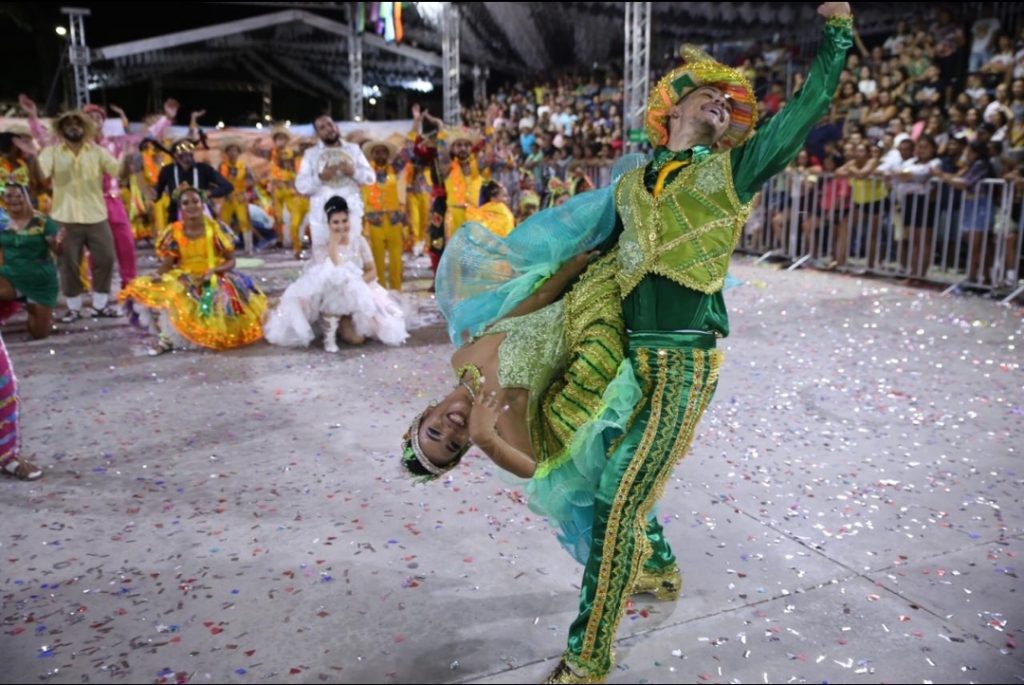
pixel 331 334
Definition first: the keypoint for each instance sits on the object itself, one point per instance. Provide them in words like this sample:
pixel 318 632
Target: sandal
pixel 71 316
pixel 107 312
pixel 163 346
pixel 22 470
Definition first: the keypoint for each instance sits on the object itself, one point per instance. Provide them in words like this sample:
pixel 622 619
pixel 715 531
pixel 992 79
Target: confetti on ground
pixel 849 511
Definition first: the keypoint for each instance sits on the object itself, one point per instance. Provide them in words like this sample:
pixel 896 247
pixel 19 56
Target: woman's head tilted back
pixel 437 438
pixel 337 215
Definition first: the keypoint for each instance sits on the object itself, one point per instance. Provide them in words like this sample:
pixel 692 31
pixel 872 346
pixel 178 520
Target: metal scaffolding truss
pixel 636 67
pixel 293 47
pixel 355 69
pixel 78 53
pixel 450 63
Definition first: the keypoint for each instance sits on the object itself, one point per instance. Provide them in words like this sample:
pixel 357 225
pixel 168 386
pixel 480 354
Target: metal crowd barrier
pixel 930 232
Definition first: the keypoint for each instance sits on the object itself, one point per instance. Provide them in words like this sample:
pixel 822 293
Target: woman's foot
pixel 163 346
pixel 22 470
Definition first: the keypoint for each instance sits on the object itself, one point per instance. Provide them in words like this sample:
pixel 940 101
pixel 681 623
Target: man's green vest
pixel 687 233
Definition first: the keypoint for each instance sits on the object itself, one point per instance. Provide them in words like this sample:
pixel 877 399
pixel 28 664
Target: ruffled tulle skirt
pixel 330 290
pixel 563 490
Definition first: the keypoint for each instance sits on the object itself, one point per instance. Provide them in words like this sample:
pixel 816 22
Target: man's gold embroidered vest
pixel 686 234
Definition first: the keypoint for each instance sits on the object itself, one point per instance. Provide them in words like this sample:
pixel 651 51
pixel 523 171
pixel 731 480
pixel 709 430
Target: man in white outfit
pixel 333 167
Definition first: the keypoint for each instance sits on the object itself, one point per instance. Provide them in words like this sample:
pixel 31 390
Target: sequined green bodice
pixel 533 352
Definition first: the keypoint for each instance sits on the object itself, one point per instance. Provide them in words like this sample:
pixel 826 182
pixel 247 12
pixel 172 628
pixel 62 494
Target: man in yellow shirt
pixel 76 165
pixel 385 215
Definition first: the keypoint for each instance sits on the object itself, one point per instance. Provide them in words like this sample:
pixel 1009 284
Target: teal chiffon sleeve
pixel 482 277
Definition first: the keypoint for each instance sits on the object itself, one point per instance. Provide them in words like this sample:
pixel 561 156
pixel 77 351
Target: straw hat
pixel 456 133
pixel 229 142
pixel 370 145
pixel 90 108
pixel 398 140
pixel 84 121
pixel 17 128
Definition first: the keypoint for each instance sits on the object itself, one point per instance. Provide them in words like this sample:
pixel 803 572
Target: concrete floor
pixel 851 510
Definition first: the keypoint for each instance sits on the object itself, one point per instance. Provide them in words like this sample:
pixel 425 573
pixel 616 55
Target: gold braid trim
pixel 695 405
pixel 595 339
pixel 671 444
pixel 612 539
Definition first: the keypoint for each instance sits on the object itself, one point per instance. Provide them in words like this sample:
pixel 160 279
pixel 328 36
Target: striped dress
pixel 8 409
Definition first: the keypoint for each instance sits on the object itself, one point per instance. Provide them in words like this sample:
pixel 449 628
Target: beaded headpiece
pixel 413 453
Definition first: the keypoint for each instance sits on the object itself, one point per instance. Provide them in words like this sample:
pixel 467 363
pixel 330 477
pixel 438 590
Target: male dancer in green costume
pixel 681 216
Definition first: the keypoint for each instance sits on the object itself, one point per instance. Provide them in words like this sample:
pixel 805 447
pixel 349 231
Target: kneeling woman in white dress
pixel 342 290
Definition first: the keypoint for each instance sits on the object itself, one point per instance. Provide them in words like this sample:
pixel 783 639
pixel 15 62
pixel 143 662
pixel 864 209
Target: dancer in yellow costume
pixel 153 160
pixel 385 216
pixel 196 297
pixel 236 205
pixel 18 164
pixel 419 183
pixel 136 193
pixel 284 164
pixel 464 179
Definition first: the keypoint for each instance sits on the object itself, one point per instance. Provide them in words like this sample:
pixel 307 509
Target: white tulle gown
pixel 327 289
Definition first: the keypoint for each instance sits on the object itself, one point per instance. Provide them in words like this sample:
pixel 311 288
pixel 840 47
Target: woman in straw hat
pixel 284 165
pixel 18 160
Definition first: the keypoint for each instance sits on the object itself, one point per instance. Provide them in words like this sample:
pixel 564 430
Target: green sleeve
pixel 778 142
pixel 50 228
